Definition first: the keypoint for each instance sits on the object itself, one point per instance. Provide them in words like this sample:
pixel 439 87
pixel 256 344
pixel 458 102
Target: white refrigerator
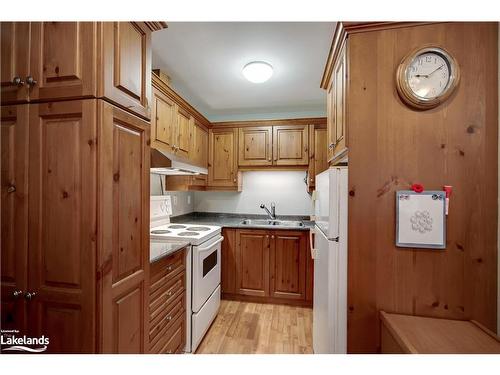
pixel 329 251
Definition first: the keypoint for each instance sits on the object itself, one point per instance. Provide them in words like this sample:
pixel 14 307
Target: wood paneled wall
pixel 392 146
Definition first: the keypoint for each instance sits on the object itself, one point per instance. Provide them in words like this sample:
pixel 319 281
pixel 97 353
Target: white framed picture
pixel 421 219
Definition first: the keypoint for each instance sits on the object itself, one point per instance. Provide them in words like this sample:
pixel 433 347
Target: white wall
pixel 286 188
pixel 182 201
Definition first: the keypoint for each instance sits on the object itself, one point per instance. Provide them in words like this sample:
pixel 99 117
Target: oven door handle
pixel 202 249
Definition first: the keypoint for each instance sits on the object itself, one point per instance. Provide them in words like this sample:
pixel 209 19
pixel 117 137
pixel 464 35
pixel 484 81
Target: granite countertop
pixel 234 220
pixel 159 250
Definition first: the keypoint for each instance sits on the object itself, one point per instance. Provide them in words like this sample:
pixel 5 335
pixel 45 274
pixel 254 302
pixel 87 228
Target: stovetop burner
pixel 160 231
pixel 185 234
pixel 177 226
pixel 198 229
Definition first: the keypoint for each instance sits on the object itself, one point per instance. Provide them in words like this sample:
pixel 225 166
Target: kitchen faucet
pixel 272 213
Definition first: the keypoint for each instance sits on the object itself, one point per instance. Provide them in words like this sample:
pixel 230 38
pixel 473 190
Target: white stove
pixel 203 266
pixel 193 233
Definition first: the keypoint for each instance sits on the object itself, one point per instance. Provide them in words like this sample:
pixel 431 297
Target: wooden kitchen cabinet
pixel 15 64
pixel 78 279
pixel 252 262
pixel 336 109
pixel 263 265
pixel 14 230
pixel 223 159
pixel 62 224
pixel 77 60
pixel 291 145
pixel 167 301
pixel 317 153
pixel 184 132
pixel 123 257
pixel 163 130
pixel 255 146
pixel 199 154
pixel 288 258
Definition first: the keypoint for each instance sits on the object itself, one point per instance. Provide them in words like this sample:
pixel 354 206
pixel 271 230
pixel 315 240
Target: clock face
pixel 428 75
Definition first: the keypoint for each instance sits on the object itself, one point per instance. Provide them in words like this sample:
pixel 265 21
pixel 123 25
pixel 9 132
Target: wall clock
pixel 427 76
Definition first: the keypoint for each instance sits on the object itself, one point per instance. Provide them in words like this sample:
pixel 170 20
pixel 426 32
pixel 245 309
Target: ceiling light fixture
pixel 257 71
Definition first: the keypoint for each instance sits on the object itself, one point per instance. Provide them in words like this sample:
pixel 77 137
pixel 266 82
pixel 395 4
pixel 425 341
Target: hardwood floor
pixel 246 328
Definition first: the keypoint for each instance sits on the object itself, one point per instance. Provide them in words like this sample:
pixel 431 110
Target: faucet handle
pixel 262 205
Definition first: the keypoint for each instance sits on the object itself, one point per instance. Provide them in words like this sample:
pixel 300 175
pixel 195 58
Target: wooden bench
pixel 406 334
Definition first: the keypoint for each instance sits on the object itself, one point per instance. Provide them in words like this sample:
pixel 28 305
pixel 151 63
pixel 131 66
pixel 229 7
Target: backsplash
pixel 182 201
pixel 286 188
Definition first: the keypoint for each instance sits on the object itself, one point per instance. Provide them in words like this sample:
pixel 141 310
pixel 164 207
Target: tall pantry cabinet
pixel 75 136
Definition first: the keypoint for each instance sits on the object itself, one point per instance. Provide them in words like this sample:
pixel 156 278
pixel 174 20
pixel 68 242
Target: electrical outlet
pixel 189 199
pixel 175 200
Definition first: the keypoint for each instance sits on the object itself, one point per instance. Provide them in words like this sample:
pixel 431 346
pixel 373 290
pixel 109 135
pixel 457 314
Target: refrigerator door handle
pixel 336 239
pixel 311 243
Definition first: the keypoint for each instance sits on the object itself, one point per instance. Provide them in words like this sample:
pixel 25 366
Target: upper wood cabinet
pixel 336 108
pixel 291 145
pixel 184 132
pixel 317 153
pixel 255 146
pixel 72 60
pixel 15 64
pixel 126 65
pixel 199 154
pixel 223 159
pixel 163 122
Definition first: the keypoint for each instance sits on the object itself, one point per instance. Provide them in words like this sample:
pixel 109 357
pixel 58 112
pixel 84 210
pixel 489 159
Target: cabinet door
pixel 63 60
pixel 199 156
pixel 339 105
pixel 14 237
pixel 255 146
pixel 62 224
pixel 288 265
pixel 223 160
pixel 331 135
pixel 15 51
pixel 123 258
pixel 126 64
pixel 163 122
pixel 317 153
pixel 252 263
pixel 291 145
pixel 228 261
pixel 184 127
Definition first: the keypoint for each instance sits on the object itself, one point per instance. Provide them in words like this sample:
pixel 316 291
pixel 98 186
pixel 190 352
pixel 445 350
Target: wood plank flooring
pixel 245 328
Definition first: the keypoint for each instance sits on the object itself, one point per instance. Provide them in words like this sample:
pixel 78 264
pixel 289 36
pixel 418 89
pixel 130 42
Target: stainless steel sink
pixel 274 223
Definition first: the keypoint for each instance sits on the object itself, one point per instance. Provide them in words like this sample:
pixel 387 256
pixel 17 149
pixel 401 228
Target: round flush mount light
pixel 257 71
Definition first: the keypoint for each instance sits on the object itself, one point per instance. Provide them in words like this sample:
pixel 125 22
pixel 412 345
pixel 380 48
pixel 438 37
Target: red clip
pixel 447 190
pixel 417 188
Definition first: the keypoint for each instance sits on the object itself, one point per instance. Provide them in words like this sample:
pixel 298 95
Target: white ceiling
pixel 204 61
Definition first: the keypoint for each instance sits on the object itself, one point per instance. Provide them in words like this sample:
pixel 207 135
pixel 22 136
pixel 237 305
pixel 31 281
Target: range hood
pixel 171 165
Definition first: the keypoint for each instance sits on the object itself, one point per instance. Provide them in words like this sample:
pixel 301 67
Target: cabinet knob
pixel 29 295
pixel 11 189
pixel 17 293
pixel 17 81
pixel 330 146
pixel 30 81
pixel 169 268
pixel 272 236
pixel 234 179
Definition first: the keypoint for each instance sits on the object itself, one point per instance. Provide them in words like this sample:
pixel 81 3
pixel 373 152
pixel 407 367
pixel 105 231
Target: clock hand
pixel 422 75
pixel 434 71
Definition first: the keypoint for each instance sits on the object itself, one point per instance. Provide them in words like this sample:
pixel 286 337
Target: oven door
pixel 206 270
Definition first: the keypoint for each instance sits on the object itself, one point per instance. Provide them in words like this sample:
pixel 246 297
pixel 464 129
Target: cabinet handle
pixel 17 81
pixel 30 81
pixel 330 146
pixel 11 189
pixel 169 268
pixel 29 295
pixel 272 237
pixel 234 179
pixel 169 293
pixel 17 293
pixel 267 236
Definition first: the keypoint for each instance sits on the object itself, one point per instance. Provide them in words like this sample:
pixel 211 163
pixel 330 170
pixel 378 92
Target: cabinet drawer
pixel 162 304
pixel 166 268
pixel 158 331
pixel 177 339
pixel 167 286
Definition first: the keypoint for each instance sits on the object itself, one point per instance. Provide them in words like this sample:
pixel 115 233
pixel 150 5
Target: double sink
pixel 272 223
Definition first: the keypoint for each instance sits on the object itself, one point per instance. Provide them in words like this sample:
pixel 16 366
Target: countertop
pixel 158 250
pixel 234 220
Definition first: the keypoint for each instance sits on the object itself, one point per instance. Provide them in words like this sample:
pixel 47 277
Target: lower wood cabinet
pixel 75 235
pixel 167 301
pixel 267 266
